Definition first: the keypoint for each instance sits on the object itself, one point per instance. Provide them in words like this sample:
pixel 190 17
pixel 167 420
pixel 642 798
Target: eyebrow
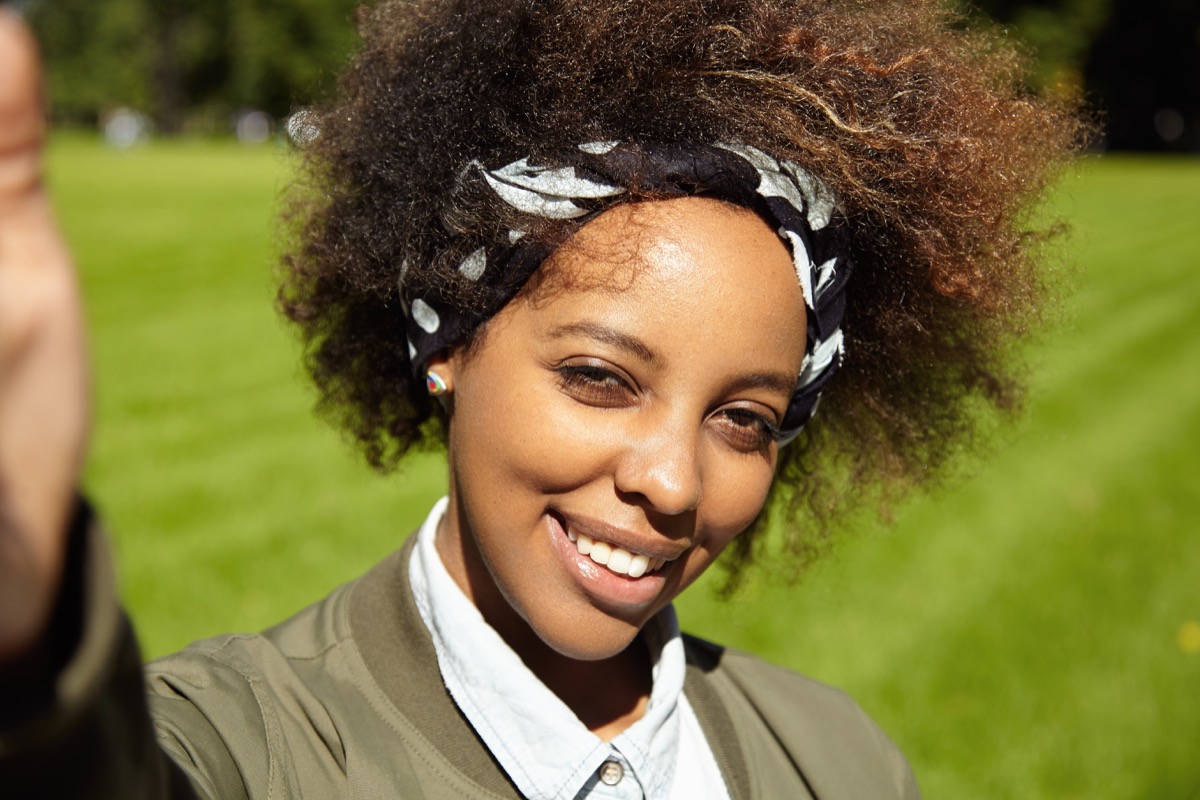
pixel 611 336
pixel 771 381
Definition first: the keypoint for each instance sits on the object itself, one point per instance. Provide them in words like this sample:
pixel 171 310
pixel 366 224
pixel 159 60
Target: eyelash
pixel 762 431
pixel 601 387
pixel 593 384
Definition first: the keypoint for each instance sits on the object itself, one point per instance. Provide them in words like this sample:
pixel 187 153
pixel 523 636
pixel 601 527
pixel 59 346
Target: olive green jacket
pixel 344 700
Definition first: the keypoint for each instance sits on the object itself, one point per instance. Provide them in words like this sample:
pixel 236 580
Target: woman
pixel 611 254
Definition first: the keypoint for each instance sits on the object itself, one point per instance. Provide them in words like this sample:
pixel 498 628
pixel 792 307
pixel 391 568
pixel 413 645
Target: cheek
pixel 731 504
pixel 527 435
pixel 736 487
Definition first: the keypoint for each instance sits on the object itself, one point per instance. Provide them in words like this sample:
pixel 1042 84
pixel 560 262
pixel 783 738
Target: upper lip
pixel 636 543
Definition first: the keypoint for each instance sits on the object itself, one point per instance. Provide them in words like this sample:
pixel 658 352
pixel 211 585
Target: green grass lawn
pixel 1028 631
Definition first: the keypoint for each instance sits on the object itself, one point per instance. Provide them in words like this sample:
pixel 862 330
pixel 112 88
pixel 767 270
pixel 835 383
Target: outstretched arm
pixel 44 393
pixel 73 718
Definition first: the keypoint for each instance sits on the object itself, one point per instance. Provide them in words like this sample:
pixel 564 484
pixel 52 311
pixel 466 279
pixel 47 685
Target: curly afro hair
pixel 920 123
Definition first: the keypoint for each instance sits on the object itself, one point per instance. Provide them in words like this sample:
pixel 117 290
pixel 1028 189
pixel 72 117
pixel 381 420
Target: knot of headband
pixel 584 182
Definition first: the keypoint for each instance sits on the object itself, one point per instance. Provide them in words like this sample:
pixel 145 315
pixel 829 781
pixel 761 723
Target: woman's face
pixel 628 401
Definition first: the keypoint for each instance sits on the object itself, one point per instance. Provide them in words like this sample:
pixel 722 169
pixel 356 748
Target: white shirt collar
pixel 537 740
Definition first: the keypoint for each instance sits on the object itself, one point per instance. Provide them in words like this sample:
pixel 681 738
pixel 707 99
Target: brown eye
pixel 594 385
pixel 746 430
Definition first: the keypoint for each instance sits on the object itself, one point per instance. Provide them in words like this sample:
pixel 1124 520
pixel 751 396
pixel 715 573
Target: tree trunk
pixel 169 94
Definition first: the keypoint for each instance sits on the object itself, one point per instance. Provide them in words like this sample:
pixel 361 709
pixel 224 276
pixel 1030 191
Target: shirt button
pixel 611 773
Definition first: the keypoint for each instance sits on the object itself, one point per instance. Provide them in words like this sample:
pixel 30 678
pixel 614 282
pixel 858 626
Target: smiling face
pixel 622 412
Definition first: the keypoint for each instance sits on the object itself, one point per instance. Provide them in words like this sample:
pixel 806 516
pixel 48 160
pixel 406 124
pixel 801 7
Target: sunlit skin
pixel 44 387
pixel 633 400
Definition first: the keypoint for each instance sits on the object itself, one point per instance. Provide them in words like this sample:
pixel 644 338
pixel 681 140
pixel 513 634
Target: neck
pixel 607 695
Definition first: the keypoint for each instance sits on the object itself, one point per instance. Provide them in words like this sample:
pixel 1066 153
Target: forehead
pixel 693 268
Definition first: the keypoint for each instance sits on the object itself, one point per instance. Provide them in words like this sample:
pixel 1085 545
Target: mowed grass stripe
pixel 1062 627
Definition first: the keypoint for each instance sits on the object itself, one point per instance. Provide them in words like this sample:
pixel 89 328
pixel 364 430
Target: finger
pixel 22 113
pixel 29 238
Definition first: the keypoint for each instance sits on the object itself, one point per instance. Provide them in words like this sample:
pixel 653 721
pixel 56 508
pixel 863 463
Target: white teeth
pixel 601 552
pixel 617 559
pixel 618 562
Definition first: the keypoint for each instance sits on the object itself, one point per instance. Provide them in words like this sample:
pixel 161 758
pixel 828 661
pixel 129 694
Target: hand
pixel 44 393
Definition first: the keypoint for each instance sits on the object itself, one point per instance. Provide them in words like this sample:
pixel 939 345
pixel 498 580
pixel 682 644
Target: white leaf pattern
pixel 825 274
pixel 473 265
pixel 757 158
pixel 556 181
pixel 803 265
pixel 425 316
pixel 822 357
pixel 789 181
pixel 776 184
pixel 532 202
pixel 598 148
pixel 818 197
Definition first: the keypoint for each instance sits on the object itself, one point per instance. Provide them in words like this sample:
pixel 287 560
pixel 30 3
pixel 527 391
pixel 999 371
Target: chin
pixel 592 637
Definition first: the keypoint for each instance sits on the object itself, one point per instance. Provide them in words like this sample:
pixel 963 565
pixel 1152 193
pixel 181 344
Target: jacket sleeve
pixel 73 714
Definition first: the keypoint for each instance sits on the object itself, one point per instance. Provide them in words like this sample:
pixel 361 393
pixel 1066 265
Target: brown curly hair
pixel 919 122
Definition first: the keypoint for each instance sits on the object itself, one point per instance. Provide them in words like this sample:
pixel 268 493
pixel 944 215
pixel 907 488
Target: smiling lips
pixel 617 559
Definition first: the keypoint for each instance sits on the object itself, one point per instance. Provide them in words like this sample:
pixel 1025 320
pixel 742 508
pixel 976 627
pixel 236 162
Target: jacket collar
pixel 396 647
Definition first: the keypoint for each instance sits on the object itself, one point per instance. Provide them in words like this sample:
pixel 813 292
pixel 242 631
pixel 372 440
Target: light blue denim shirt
pixel 538 741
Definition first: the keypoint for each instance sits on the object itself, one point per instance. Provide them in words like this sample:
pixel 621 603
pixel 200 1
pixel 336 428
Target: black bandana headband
pixel 587 181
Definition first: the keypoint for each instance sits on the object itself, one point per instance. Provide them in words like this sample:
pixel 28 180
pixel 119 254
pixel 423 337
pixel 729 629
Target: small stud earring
pixel 435 385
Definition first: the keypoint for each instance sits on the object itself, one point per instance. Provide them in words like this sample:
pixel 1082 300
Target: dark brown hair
pixel 919 122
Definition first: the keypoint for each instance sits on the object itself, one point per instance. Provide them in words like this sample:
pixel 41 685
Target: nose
pixel 663 468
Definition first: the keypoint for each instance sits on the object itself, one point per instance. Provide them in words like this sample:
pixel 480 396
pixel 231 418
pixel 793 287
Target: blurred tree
pixel 189 65
pixel 97 55
pixel 283 51
pixel 192 65
pixel 1145 67
pixel 1138 61
pixel 1060 32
